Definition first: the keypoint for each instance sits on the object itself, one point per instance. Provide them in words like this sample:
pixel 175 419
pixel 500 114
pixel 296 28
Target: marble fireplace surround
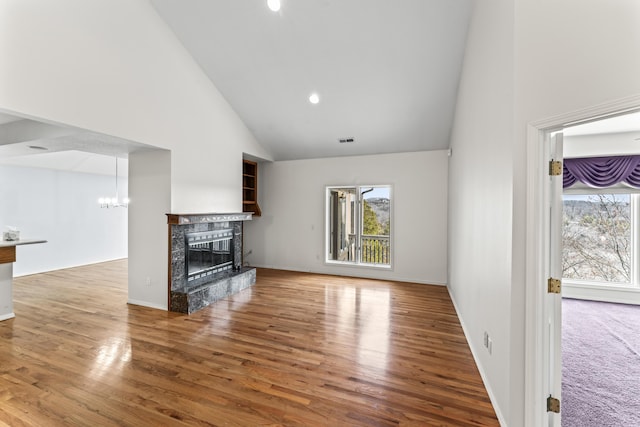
pixel 189 296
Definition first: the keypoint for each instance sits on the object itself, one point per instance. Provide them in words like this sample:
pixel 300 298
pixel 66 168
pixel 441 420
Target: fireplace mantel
pixel 180 219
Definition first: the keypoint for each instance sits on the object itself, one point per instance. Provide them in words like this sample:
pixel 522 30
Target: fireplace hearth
pixel 206 259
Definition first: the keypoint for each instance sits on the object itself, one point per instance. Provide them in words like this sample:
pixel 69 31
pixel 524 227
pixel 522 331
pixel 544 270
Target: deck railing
pixel 375 249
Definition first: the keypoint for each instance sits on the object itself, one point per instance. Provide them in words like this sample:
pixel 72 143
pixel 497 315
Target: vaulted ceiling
pixel 386 72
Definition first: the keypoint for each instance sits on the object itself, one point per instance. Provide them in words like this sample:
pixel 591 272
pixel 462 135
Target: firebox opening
pixel 208 253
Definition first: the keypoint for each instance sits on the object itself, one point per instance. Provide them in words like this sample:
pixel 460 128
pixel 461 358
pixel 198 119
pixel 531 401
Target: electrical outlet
pixel 486 340
pixel 148 281
pixel 490 345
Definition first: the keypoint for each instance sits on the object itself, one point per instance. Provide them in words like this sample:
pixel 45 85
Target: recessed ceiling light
pixel 37 147
pixel 274 5
pixel 314 98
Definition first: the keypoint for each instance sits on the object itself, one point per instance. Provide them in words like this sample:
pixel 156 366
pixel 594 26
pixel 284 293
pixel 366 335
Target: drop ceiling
pixel 386 72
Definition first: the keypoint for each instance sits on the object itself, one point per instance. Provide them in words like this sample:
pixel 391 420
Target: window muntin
pixel 598 242
pixel 359 225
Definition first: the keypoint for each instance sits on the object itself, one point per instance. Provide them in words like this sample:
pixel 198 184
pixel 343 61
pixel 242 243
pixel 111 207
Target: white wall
pixel 290 232
pixel 526 61
pixel 570 55
pixel 114 67
pixel 480 196
pixel 150 193
pixel 62 208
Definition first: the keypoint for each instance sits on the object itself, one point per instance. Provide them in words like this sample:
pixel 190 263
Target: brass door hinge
pixel 555 167
pixel 554 285
pixel 553 404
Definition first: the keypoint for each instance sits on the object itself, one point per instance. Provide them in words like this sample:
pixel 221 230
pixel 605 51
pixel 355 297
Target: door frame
pixel 538 244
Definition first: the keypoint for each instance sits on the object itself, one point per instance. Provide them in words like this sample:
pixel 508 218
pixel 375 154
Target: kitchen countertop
pixel 8 243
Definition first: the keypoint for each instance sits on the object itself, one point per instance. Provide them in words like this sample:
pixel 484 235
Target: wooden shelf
pixel 250 187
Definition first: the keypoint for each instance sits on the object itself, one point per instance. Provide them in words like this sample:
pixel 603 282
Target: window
pixel 597 234
pixel 359 225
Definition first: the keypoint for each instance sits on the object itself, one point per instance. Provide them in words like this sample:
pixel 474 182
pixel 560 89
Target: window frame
pixel 357 263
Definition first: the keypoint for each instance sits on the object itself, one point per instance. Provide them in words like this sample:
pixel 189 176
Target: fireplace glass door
pixel 208 253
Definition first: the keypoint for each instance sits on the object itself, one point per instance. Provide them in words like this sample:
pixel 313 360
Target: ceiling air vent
pixel 345 140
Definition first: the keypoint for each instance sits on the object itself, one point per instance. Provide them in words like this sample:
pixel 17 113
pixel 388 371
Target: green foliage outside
pixel 374 250
pixel 370 224
pixel 385 228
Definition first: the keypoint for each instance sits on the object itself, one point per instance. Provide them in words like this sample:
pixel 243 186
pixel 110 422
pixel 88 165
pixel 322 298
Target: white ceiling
pixel 623 123
pixel 386 71
pixel 30 143
pixel 6 118
pixel 619 135
pixel 71 160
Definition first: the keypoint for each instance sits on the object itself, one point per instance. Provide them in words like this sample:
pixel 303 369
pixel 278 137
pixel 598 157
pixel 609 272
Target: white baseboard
pixel 68 266
pixel 147 304
pixel 361 276
pixel 487 386
pixel 7 316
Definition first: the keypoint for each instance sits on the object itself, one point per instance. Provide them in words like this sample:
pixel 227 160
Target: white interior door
pixel 553 301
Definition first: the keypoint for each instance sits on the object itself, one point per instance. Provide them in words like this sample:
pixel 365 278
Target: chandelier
pixel 114 202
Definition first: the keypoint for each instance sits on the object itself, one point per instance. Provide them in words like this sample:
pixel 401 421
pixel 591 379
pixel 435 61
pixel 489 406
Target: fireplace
pixel 206 259
pixel 208 253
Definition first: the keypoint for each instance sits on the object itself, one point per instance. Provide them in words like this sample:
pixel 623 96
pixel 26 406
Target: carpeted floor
pixel 600 364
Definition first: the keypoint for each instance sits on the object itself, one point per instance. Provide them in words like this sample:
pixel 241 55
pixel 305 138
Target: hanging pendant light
pixel 114 202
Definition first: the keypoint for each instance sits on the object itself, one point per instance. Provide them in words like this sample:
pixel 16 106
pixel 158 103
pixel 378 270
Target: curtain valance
pixel 602 172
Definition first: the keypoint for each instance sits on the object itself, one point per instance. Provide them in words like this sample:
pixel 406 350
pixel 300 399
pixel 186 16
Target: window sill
pixel 602 285
pixel 352 265
pixel 622 294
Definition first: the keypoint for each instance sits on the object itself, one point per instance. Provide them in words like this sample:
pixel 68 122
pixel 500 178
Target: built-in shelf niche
pixel 250 187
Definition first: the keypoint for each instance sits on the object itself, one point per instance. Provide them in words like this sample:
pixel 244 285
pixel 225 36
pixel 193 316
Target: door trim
pixel 538 244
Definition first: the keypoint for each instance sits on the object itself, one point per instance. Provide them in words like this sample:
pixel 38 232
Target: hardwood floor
pixel 294 350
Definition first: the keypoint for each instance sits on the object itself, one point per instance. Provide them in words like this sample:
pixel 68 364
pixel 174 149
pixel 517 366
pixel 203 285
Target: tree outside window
pixel 597 239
